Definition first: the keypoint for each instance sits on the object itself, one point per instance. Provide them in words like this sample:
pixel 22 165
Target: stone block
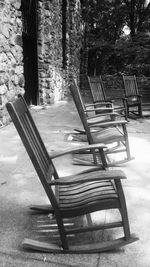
pixel 11 58
pixel 4 78
pixel 15 79
pixel 21 81
pixel 2 4
pixel 3 57
pixel 3 89
pixel 18 40
pixel 3 40
pixel 10 95
pixel 15 4
pixel 3 101
pixel 5 31
pixel 19 70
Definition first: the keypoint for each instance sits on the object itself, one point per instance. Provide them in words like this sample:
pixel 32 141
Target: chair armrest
pixel 89 105
pixel 57 154
pixel 99 109
pixel 109 123
pixel 101 102
pixel 97 104
pixel 94 175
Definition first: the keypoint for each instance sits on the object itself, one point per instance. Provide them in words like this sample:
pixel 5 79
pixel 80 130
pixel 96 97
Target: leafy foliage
pixel 134 55
pixel 111 51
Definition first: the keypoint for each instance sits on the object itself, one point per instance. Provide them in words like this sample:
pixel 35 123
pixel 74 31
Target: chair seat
pixel 106 135
pixel 81 197
pixel 118 108
pixel 102 136
pixel 133 103
pixel 133 100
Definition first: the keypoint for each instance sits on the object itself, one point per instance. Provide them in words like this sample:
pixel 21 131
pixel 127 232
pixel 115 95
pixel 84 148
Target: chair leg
pixel 126 142
pixel 126 115
pixel 140 110
pixel 123 210
pixel 62 232
pixel 127 111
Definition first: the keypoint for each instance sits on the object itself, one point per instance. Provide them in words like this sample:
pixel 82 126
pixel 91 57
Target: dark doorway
pixel 29 35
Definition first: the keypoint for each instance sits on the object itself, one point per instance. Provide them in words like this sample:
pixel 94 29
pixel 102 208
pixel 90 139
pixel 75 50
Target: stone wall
pixel 50 51
pixel 11 66
pixel 53 76
pixel 74 37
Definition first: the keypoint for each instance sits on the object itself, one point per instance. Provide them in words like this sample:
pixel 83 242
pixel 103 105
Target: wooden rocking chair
pixel 113 133
pixel 98 95
pixel 133 98
pixel 76 195
pixel 94 106
pixel 103 113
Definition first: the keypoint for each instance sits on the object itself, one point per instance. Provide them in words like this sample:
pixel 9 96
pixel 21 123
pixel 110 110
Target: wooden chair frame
pixel 77 195
pixel 110 132
pixel 103 113
pixel 133 98
pixel 99 96
pixel 95 106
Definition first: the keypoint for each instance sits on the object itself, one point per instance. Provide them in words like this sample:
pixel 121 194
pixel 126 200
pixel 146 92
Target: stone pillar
pixel 11 65
pixel 53 76
pixel 74 37
pixel 51 81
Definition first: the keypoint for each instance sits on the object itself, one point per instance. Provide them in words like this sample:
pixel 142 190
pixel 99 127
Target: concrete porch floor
pixel 20 188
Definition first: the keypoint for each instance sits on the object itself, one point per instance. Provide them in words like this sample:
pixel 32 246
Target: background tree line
pixel 118 36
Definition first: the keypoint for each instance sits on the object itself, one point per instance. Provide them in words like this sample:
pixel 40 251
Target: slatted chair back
pixel 130 86
pixel 76 97
pixel 97 89
pixel 34 145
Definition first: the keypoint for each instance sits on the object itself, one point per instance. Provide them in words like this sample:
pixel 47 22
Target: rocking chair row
pixel 111 132
pixel 130 103
pixel 75 195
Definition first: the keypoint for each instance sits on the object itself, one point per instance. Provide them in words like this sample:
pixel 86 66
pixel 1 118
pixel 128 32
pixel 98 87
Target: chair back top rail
pixel 76 97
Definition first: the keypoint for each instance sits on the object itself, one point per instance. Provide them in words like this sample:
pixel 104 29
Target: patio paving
pixel 20 188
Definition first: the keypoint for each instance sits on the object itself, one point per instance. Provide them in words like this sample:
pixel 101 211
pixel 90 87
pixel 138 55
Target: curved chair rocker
pixel 133 98
pixel 98 95
pixel 76 195
pixel 113 133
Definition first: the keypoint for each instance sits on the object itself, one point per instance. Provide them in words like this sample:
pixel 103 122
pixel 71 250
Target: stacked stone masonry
pixel 11 66
pixel 53 77
pixel 50 52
